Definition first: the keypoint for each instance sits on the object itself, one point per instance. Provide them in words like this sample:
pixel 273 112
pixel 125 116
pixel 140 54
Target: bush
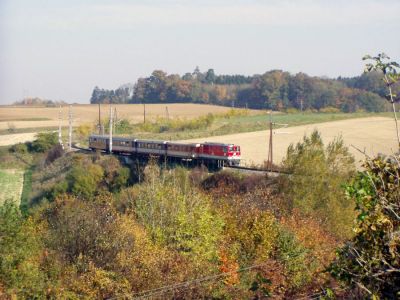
pixel 292 110
pixel 56 152
pixel 84 180
pixel 329 109
pixel 21 148
pixel 371 260
pixel 44 142
pixel 21 274
pixel 83 130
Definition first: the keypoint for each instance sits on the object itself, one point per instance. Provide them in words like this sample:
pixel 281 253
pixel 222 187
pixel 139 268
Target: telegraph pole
pixel 301 105
pixel 111 127
pixel 70 127
pixel 115 119
pixel 100 131
pixel 59 128
pixel 167 112
pixel 144 113
pixel 270 157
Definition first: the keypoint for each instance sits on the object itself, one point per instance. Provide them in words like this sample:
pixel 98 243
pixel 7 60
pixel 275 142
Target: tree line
pixel 276 89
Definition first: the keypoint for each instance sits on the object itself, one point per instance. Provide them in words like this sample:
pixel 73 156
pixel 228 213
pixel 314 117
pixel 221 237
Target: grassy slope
pixel 11 182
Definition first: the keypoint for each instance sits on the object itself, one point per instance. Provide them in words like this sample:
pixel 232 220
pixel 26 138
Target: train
pixel 206 153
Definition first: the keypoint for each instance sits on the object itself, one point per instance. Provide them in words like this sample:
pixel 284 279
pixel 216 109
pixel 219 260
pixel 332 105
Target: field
pixel 11 183
pixel 39 117
pixel 11 139
pixel 373 135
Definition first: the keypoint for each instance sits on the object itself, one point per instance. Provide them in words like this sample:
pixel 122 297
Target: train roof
pixel 150 141
pixel 183 144
pixel 121 138
pixel 160 141
pixel 218 144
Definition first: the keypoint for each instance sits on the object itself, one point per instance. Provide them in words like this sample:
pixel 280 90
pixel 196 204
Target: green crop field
pixel 11 182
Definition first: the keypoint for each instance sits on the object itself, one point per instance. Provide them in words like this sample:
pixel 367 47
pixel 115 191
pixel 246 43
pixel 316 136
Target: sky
pixel 62 49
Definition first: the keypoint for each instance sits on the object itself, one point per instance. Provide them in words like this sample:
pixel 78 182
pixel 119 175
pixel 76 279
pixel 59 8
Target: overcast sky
pixel 61 50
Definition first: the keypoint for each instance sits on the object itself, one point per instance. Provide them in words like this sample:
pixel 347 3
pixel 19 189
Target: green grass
pixel 26 190
pixel 11 182
pixel 9 160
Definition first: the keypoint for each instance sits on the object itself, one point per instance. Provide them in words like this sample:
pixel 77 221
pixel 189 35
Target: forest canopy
pixel 276 89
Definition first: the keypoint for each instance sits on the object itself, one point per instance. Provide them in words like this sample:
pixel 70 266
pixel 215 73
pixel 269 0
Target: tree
pixel 390 71
pixel 177 215
pixel 371 260
pixel 210 76
pixel 315 186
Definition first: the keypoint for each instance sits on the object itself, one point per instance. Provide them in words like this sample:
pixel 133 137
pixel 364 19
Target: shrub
pixel 44 142
pixel 21 148
pixel 293 256
pixel 21 275
pixel 56 152
pixel 329 109
pixel 371 260
pixel 292 110
pixel 123 126
pixel 84 180
pixel 83 130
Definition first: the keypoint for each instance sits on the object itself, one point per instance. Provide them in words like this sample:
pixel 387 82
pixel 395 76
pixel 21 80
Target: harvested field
pixel 11 139
pixel 11 183
pixel 24 117
pixel 373 135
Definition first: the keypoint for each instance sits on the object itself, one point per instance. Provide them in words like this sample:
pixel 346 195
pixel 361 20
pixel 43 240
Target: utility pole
pixel 167 113
pixel 111 127
pixel 70 127
pixel 100 126
pixel 115 119
pixel 301 105
pixel 59 128
pixel 270 157
pixel 144 113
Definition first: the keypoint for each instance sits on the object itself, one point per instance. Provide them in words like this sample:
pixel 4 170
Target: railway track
pixel 257 170
pixel 273 173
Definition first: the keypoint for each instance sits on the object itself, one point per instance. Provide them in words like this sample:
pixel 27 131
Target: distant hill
pixel 276 89
pixel 35 101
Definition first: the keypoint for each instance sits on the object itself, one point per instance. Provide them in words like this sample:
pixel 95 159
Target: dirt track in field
pixel 21 116
pixel 373 135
